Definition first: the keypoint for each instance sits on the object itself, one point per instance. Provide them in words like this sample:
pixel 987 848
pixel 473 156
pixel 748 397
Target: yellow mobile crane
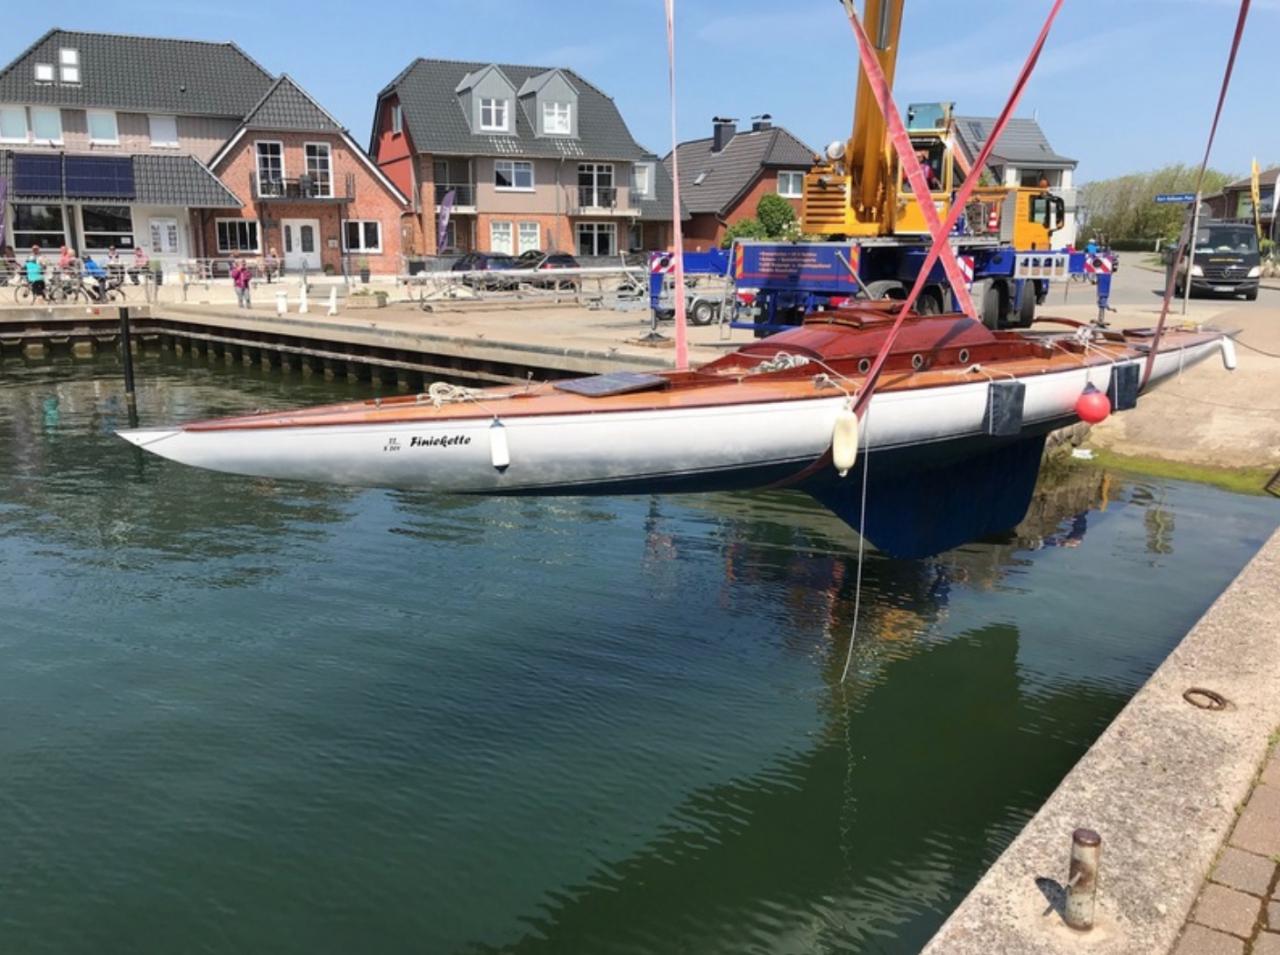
pixel 858 189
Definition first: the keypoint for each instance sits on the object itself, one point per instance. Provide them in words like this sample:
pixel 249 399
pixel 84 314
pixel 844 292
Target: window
pixel 635 237
pixel 102 127
pixel 595 186
pixel 69 65
pixel 237 235
pixel 556 118
pixel 493 114
pixel 1033 177
pixel 164 236
pixel 37 225
pixel 513 174
pixel 105 226
pixel 318 168
pixel 270 168
pixel 597 238
pixel 13 124
pixel 791 184
pixel 642 179
pixel 44 72
pixel 397 120
pixel 530 236
pixel 164 131
pixel 361 236
pixel 500 237
pixel 46 124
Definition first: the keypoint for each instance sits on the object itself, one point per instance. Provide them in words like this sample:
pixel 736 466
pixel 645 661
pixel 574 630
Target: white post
pixel 282 303
pixel 333 300
pixel 302 299
pixel 1191 254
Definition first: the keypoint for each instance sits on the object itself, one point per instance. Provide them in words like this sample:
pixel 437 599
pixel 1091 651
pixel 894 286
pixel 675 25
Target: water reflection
pixel 71 481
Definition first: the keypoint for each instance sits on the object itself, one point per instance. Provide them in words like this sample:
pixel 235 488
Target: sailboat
pixel 947 449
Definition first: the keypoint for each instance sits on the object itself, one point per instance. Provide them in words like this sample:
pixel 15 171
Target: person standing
pixel 35 272
pixel 139 264
pixel 241 277
pixel 114 267
pixel 272 263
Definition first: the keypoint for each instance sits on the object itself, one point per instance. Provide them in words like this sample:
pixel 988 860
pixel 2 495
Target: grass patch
pixel 1237 480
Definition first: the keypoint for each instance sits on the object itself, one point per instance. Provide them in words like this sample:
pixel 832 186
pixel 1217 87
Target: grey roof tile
pixel 144 74
pixel 1023 141
pixel 287 106
pixel 158 180
pixel 712 182
pixel 437 124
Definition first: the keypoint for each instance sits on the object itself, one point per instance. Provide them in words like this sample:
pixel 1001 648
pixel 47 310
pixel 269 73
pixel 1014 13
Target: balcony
pixel 464 195
pixel 598 200
pixel 305 189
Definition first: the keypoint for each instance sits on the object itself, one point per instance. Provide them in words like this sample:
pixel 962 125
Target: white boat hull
pixel 712 447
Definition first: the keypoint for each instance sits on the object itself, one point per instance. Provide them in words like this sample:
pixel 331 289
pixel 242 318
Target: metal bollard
pixel 1082 881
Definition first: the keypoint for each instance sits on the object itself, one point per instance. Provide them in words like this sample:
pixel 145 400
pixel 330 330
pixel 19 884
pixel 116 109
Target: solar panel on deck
pixel 100 177
pixel 37 175
pixel 615 383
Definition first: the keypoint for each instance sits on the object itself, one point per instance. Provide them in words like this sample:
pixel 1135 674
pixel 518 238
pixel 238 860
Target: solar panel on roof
pixel 100 177
pixel 37 175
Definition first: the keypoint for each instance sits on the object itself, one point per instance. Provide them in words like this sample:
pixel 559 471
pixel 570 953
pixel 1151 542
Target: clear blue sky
pixel 1123 85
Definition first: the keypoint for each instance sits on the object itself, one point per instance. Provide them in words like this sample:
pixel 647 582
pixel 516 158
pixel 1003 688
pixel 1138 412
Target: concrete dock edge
pixel 1162 785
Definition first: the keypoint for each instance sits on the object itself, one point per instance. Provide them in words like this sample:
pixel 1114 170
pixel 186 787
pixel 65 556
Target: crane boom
pixel 867 151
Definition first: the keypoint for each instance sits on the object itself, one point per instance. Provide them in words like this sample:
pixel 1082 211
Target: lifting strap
pixel 1204 164
pixel 957 207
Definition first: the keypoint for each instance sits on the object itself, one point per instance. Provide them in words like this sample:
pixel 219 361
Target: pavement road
pixel 1134 285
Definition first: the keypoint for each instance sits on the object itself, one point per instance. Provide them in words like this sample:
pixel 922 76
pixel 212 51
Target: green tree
pixel 1124 207
pixel 776 216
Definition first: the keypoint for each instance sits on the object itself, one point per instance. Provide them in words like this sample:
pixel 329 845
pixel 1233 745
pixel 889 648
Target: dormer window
pixel 556 118
pixel 44 72
pixel 69 65
pixel 493 115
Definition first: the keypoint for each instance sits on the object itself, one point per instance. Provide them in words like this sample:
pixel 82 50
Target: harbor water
pixel 240 715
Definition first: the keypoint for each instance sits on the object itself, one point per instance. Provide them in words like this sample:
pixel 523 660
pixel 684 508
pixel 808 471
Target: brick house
pixel 723 177
pixel 104 139
pixel 1235 201
pixel 511 158
pixel 307 190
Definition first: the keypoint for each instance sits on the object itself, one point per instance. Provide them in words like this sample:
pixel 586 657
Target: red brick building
pixel 507 158
pixel 723 177
pixel 309 192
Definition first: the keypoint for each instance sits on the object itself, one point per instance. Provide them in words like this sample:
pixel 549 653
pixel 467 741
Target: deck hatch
pixel 613 383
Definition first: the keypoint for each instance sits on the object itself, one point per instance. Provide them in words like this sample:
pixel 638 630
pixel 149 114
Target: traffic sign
pixel 1176 197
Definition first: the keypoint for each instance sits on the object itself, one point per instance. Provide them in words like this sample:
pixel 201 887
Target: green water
pixel 244 716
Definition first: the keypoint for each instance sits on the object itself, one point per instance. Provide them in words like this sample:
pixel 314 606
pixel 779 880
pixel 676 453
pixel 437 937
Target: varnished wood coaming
pixel 839 346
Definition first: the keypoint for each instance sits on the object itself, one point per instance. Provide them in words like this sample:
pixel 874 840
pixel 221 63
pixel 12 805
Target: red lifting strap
pixel 1204 164
pixel 957 207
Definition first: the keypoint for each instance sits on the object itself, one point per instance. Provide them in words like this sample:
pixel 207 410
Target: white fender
pixel 1228 353
pixel 499 451
pixel 333 300
pixel 282 303
pixel 302 301
pixel 844 440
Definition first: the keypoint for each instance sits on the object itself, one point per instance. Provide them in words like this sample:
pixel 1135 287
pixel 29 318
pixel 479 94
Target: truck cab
pixel 1024 217
pixel 1226 261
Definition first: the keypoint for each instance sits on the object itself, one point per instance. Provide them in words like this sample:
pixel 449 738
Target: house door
pixel 301 244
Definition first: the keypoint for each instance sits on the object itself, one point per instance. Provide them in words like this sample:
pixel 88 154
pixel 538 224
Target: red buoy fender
pixel 1093 406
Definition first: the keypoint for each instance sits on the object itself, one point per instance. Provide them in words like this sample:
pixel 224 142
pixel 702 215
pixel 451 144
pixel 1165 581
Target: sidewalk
pixel 1238 910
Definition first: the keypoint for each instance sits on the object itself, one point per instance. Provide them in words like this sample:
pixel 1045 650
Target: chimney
pixel 763 121
pixel 723 129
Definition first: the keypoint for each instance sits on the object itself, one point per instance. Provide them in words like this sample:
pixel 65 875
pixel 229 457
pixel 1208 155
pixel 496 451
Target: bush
pixel 743 229
pixel 776 216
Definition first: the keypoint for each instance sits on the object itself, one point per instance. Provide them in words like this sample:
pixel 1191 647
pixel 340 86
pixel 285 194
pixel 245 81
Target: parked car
pixel 537 260
pixel 487 262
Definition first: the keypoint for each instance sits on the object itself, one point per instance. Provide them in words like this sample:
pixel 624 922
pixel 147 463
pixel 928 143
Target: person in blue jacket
pixel 98 274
